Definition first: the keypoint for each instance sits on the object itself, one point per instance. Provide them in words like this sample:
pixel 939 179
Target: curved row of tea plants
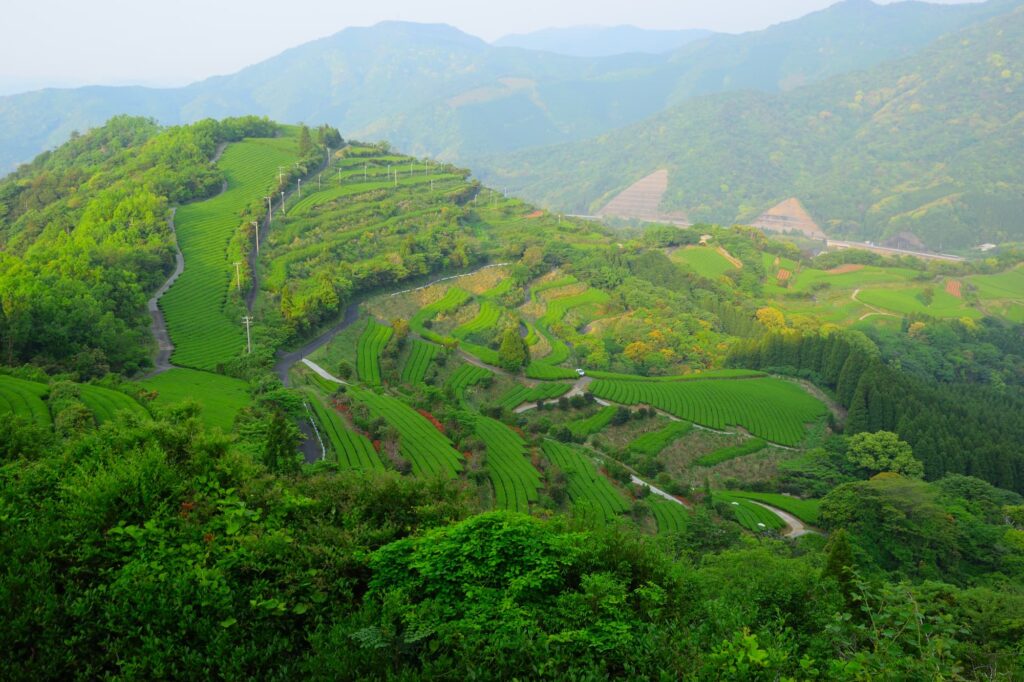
pixel 514 478
pixel 532 394
pixel 421 354
pixel 371 344
pixel 670 516
pixel 652 443
pixel 587 488
pixel 24 399
pixel 749 515
pixel 352 450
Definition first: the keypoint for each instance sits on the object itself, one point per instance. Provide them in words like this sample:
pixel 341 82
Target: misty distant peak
pixel 603 41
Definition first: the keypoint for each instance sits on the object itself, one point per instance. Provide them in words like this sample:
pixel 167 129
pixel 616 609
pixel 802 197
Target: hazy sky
pixel 173 42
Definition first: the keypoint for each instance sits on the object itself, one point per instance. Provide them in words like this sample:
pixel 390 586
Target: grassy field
pixel 221 397
pixel 24 398
pixel 906 301
pixel 205 329
pixel 769 408
pixel 704 260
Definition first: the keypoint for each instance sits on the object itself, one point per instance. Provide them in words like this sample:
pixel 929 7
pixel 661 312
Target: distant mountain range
pixel 431 89
pixel 931 144
pixel 602 41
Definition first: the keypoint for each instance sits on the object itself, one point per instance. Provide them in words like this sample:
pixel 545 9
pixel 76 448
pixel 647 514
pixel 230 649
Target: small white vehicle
pixel 580 372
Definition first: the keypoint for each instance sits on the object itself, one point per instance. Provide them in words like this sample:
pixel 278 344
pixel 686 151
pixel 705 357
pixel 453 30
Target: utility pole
pixel 319 185
pixel 300 188
pixel 247 320
pixel 364 171
pixel 256 224
pixel 280 175
pixel 282 204
pixel 238 273
pixel 339 175
pixel 270 208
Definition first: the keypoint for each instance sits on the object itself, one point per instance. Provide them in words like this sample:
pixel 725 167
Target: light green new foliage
pixel 205 330
pixel 515 397
pixel 805 510
pixel 772 409
pixel 24 398
pixel 514 478
pixel 222 397
pixel 105 403
pixel 485 321
pixel 454 298
pixel 588 490
pixel 465 376
pixel 725 454
pixel 371 344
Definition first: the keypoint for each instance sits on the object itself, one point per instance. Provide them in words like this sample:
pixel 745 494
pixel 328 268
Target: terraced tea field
pixel 371 344
pixel 652 443
pixel 592 424
pixel 514 478
pixel 352 450
pixel 222 397
pixel 453 299
pixel 105 403
pixel 670 516
pixel 588 490
pixel 465 376
pixel 749 515
pixel 421 354
pixel 531 394
pixel 205 329
pixel 771 409
pixel 805 510
pixel 725 454
pixel 706 261
pixel 24 399
pixel 428 450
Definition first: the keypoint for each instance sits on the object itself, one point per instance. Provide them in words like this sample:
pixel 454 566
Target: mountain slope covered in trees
pixel 433 89
pixel 931 144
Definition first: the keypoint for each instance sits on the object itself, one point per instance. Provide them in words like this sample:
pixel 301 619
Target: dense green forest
pixel 474 439
pixel 928 144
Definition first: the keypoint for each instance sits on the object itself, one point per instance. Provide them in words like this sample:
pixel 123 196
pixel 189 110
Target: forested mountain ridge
pixel 462 98
pixel 931 144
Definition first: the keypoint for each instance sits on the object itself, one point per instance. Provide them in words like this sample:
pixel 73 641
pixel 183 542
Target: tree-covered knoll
pixel 85 238
pixel 930 144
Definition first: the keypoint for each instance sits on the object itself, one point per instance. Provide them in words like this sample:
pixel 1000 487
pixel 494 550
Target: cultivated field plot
pixel 589 491
pixel 805 510
pixel 531 394
pixel 514 478
pixel 466 376
pixel 428 450
pixel 771 409
pixel 222 397
pixel 749 515
pixel 908 301
pixel 204 329
pixel 582 428
pixel 704 260
pixel 371 344
pixel 725 454
pixel 351 450
pixel 652 443
pixel 558 307
pixel 105 403
pixel 1007 285
pixel 421 354
pixel 352 184
pixel 453 299
pixel 485 321
pixel 24 399
pixel 670 516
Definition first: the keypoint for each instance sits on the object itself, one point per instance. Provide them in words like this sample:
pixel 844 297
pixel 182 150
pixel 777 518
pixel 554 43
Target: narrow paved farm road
pixel 162 362
pixel 323 372
pixel 874 310
pixel 660 493
pixel 796 526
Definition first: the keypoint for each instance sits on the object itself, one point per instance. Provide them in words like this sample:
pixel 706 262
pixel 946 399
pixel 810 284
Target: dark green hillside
pixel 930 144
